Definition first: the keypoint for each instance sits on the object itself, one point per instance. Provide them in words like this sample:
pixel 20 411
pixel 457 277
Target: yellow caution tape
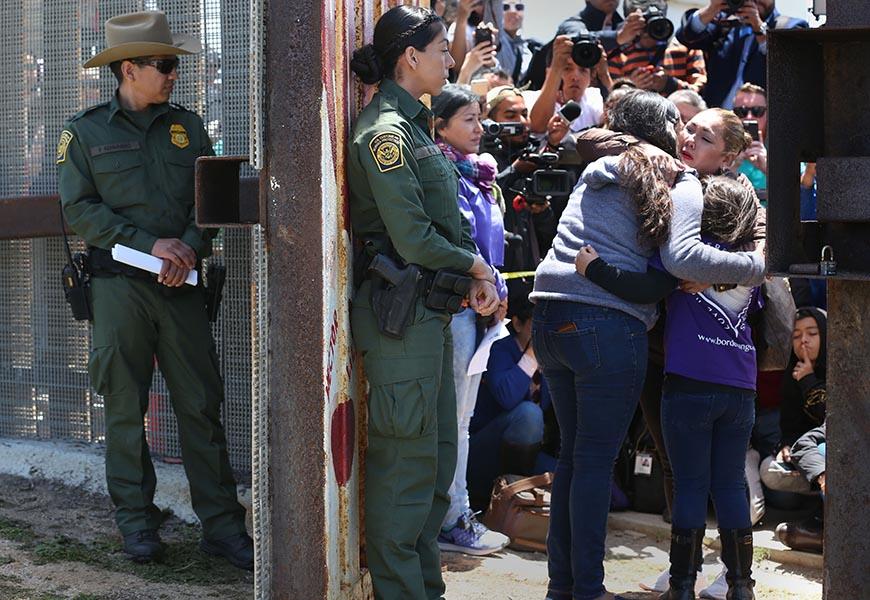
pixel 518 275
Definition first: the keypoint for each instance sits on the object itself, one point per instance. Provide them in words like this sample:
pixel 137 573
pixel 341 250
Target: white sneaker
pixel 470 536
pixel 662 582
pixel 716 590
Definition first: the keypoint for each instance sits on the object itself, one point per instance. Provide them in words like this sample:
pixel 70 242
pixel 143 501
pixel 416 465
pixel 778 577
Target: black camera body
pixel 586 51
pixel 658 26
pixel 734 6
pixel 493 132
pixel 484 33
pixel 546 182
pixel 507 129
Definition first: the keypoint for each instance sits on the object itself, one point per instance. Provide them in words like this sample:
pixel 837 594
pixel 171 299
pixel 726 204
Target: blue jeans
pixel 594 361
pixel 522 426
pixel 706 432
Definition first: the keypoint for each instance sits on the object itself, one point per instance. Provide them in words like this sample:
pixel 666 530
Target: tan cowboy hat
pixel 142 34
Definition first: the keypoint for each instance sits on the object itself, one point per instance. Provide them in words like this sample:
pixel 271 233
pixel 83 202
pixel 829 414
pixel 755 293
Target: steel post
pixel 847 478
pixel 294 224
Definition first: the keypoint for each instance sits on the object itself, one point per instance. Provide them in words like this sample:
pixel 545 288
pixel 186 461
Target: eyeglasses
pixel 164 65
pixel 745 111
pixel 520 7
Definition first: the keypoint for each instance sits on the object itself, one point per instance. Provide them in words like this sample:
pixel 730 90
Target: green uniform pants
pixel 411 453
pixel 134 321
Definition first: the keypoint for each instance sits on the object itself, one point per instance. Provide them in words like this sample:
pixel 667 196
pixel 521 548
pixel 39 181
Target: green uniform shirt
pixel 127 178
pixel 402 185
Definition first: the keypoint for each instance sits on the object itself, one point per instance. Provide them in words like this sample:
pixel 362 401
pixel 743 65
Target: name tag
pixel 643 464
pixel 426 152
pixel 116 147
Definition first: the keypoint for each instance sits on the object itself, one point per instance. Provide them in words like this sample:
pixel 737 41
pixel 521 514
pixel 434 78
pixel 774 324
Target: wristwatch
pixel 761 30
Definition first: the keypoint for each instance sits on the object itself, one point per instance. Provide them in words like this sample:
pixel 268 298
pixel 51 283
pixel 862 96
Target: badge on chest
pixel 178 136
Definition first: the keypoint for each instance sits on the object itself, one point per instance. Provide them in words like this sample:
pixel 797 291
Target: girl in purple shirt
pixel 708 399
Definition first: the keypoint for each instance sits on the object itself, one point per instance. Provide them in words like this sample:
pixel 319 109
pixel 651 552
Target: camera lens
pixel 734 5
pixel 491 128
pixel 586 53
pixel 659 28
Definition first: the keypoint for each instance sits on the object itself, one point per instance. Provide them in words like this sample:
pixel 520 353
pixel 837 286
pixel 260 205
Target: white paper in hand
pixel 477 364
pixel 146 262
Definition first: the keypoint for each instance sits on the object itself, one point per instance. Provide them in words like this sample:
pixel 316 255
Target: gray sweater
pixel 600 213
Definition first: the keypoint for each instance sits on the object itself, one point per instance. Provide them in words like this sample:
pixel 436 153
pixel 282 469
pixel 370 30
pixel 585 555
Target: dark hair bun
pixel 367 64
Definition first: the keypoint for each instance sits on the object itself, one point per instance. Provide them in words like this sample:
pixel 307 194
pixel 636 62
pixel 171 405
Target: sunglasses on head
pixel 745 111
pixel 520 7
pixel 164 65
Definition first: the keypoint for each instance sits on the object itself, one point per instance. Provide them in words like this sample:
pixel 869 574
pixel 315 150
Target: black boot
pixel 685 548
pixel 237 549
pixel 518 459
pixel 143 546
pixel 737 556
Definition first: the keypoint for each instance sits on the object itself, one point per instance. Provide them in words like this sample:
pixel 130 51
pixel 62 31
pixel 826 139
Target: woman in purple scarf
pixel 458 132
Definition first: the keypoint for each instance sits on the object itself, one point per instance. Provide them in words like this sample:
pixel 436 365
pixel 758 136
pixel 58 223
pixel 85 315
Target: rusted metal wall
pixel 315 386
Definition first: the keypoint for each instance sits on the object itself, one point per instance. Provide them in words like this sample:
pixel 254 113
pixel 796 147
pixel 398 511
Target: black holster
pixel 394 293
pixel 216 276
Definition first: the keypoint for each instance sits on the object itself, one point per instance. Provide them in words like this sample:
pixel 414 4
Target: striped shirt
pixel 685 67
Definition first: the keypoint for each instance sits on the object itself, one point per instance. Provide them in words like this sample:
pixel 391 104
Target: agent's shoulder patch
pixel 66 137
pixel 386 149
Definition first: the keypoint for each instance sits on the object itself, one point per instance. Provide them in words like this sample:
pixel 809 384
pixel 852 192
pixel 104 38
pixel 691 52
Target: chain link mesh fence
pixel 45 392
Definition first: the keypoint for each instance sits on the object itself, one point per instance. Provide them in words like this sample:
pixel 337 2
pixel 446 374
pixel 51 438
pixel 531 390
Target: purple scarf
pixel 480 169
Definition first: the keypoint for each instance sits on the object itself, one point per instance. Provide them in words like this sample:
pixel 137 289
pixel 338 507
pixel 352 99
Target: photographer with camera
pixel 570 66
pixel 733 36
pixel 654 60
pixel 529 226
pixel 474 25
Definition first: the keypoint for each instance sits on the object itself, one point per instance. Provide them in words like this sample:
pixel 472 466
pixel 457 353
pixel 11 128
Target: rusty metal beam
pixel 293 222
pixel 30 217
pixel 222 198
pixel 847 542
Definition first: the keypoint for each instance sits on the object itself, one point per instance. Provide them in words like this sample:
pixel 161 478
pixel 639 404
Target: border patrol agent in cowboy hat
pixel 126 172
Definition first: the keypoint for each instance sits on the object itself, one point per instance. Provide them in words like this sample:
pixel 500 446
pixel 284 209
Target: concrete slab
pixel 763 539
pixel 83 465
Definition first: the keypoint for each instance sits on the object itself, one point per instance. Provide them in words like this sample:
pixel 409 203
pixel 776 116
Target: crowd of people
pixel 607 192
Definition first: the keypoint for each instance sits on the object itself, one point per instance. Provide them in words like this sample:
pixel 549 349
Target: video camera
pixel 493 132
pixel 546 182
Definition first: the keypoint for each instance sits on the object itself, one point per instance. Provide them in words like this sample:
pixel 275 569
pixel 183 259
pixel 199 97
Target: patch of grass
pixel 88 597
pixel 15 531
pixel 182 562
pixel 759 554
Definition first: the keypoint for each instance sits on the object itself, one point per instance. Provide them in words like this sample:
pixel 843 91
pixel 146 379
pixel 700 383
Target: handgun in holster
pixel 447 291
pixel 394 292
pixel 215 277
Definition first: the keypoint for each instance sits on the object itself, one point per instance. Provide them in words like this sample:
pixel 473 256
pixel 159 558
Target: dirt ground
pixel 58 543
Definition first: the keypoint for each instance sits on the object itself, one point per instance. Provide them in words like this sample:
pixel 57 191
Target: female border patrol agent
pixel 403 206
pixel 125 172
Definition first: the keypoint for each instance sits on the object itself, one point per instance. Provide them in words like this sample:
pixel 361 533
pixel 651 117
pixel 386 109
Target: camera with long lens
pixel 658 27
pixel 546 182
pixel 493 132
pixel 586 52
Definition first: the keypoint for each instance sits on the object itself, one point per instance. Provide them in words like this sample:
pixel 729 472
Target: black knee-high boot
pixel 685 546
pixel 737 556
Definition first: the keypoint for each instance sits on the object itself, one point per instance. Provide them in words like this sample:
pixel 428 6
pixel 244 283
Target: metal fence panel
pixel 44 388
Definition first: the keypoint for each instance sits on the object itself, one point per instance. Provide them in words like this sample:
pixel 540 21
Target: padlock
pixel 827 265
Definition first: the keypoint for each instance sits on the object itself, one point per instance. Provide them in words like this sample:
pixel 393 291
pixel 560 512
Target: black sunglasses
pixel 517 7
pixel 745 111
pixel 164 65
